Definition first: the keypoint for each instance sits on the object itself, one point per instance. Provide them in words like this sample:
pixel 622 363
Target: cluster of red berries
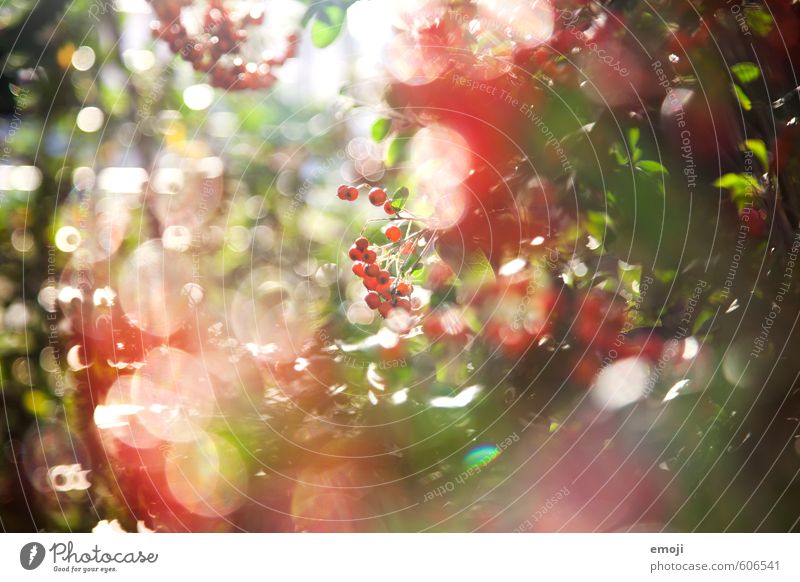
pixel 221 38
pixel 386 292
pixel 377 197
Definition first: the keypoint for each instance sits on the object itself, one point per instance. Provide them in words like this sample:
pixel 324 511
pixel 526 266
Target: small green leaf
pixel 380 129
pixel 396 150
pixel 621 158
pixel 597 224
pixel 759 149
pixel 746 72
pixel 399 198
pixel 734 181
pixel 651 167
pixel 742 97
pixel 633 137
pixel 759 20
pixel 742 186
pixel 326 25
pixel 477 269
pixel 633 140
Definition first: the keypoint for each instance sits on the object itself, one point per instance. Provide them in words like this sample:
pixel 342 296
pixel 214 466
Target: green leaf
pixel 621 158
pixel 326 25
pixel 399 198
pixel 742 97
pixel 742 186
pixel 597 224
pixel 380 129
pixel 396 150
pixel 651 167
pixel 633 140
pixel 746 72
pixel 759 20
pixel 477 270
pixel 759 149
pixel 633 137
pixel 734 181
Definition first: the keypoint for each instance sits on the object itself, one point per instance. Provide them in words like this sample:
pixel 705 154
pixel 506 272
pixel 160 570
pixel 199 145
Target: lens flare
pixel 621 384
pixel 440 159
pixel 185 190
pixel 481 455
pixel 274 316
pixel 173 394
pixel 206 476
pixel 119 416
pixel 150 285
pixel 526 23
pixel 414 62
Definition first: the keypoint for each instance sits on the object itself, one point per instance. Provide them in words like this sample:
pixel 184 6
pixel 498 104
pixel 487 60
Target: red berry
pixel 370 283
pixel 355 254
pixel 372 270
pixel 383 277
pixel 348 193
pixel 358 269
pixel 370 256
pixel 377 196
pixel 432 326
pixel 393 233
pixel 373 300
pixel 388 208
pixel 385 291
pixel 403 304
pixel 404 289
pixel 362 243
pixel 385 309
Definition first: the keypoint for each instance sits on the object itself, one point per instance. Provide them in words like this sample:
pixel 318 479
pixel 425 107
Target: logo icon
pixel 31 555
